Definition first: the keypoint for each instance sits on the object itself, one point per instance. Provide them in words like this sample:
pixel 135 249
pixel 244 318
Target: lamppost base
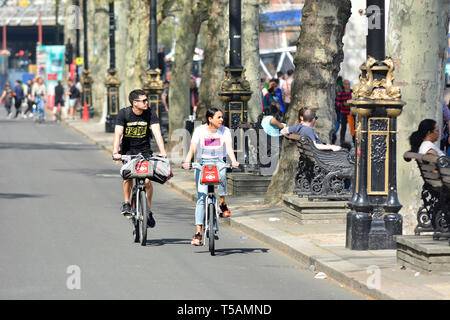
pixel 110 123
pixel 365 233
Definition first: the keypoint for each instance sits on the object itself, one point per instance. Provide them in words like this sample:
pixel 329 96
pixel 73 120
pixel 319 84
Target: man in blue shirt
pixel 305 128
pixel 18 95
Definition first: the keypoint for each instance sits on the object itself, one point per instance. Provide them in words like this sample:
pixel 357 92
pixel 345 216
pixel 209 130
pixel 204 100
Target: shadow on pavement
pixel 19 195
pixel 161 242
pixel 228 251
pixel 43 146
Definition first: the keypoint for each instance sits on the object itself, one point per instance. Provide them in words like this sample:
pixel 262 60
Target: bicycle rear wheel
pixel 212 222
pixel 143 215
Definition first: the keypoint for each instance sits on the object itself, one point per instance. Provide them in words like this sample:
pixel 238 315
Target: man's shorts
pixel 73 102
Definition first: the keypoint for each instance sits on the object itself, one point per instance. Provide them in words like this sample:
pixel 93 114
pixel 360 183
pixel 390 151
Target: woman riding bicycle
pixel 213 142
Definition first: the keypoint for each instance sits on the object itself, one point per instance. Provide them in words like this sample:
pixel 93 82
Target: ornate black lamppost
pixel 112 78
pixel 374 217
pixel 153 85
pixel 86 79
pixel 235 89
pixel 77 49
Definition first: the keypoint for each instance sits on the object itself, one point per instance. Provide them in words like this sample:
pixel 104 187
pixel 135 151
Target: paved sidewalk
pixel 320 247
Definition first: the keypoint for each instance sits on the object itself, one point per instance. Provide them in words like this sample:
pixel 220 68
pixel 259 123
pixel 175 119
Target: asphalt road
pixel 62 235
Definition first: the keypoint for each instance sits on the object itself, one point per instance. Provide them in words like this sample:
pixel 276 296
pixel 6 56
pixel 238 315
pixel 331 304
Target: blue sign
pixel 281 19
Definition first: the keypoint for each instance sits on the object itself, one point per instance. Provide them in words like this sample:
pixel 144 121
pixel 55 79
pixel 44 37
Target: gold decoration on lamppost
pixel 369 89
pixel 153 87
pixel 235 85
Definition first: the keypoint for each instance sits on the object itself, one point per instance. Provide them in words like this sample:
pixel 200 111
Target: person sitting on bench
pixel 305 128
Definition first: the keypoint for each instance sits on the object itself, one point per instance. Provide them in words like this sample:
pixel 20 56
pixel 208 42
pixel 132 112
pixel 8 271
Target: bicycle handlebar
pixel 220 166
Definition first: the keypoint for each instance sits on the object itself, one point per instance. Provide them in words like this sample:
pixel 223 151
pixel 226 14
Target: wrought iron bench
pixel 434 214
pixel 323 174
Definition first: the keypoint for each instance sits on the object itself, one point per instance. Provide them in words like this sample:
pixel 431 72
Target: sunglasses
pixel 143 100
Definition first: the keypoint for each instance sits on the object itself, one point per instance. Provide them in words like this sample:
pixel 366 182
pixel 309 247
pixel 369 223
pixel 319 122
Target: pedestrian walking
pixel 339 88
pixel 29 110
pixel 18 97
pixel 165 95
pixel 193 94
pixel 346 116
pixel 286 90
pixel 59 99
pixel 7 98
pixel 74 96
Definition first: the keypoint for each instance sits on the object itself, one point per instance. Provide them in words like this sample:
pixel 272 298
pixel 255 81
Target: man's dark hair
pixel 134 95
pixel 309 115
pixel 280 74
pixel 290 72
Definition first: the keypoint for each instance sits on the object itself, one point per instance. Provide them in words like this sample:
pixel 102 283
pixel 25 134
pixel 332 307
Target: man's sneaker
pixel 225 211
pixel 126 209
pixel 197 240
pixel 150 220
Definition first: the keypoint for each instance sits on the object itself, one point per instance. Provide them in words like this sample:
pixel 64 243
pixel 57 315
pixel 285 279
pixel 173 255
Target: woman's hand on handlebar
pixel 117 156
pixel 235 164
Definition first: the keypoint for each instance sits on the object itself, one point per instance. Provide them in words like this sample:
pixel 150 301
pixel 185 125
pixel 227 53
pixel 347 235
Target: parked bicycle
pixel 210 176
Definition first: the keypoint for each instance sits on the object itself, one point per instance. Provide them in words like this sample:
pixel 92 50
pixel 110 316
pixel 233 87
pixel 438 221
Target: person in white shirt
pixel 211 142
pixel 422 141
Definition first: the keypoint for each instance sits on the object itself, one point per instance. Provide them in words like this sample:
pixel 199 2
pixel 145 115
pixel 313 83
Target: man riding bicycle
pixel 132 136
pixel 213 142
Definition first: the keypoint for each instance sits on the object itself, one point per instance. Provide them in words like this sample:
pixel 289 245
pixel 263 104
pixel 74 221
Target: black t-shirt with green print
pixel 136 130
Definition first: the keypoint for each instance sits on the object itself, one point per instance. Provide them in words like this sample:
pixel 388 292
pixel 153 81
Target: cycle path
pixel 321 247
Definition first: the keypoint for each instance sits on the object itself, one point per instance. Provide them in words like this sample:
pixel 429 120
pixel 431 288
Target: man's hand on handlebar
pixel 235 164
pixel 186 165
pixel 117 156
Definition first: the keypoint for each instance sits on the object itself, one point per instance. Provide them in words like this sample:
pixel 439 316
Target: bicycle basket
pixel 210 175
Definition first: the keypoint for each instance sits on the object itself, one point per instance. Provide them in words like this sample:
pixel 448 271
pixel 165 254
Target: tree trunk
pixel 134 67
pixel 215 60
pixel 417 39
pixel 317 64
pixel 250 55
pixel 100 64
pixel 191 19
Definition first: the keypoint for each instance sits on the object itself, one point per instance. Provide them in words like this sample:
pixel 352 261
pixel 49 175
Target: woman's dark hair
pixel 210 113
pixel 416 138
pixel 274 111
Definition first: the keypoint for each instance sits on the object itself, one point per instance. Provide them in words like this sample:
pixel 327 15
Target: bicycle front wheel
pixel 212 222
pixel 135 215
pixel 143 216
